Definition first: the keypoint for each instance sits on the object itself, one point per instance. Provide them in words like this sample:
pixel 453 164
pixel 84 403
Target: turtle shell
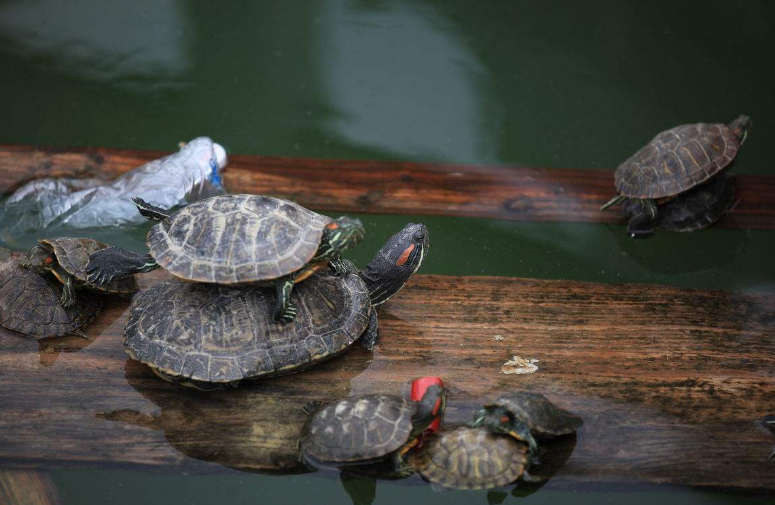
pixel 73 255
pixel 470 458
pixel 677 160
pixel 699 207
pixel 237 239
pixel 221 334
pixel 544 418
pixel 29 303
pixel 358 429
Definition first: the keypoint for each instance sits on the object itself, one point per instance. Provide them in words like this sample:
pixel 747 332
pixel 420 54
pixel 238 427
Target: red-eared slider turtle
pixel 236 239
pixel 29 304
pixel 369 428
pixel 470 458
pixel 66 258
pixel 527 416
pixel 209 336
pixel 674 162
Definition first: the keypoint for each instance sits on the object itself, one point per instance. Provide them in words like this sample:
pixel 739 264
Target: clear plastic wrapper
pixel 189 175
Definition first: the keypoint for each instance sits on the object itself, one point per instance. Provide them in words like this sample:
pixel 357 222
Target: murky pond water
pixel 545 83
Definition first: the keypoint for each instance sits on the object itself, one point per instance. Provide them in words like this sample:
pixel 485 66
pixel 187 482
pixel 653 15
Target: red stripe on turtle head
pixel 48 260
pixel 405 255
pixel 332 226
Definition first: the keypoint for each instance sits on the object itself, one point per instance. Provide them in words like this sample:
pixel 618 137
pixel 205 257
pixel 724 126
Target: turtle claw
pixel 287 315
pixel 66 301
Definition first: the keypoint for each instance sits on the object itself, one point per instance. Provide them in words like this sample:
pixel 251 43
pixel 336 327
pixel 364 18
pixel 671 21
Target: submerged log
pixel 670 384
pixel 513 193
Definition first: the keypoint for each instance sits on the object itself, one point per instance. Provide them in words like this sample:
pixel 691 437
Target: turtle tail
pixel 612 201
pixel 151 212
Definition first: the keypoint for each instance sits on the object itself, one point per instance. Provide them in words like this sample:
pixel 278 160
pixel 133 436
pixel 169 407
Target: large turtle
pixel 369 428
pixel 470 458
pixel 66 258
pixel 29 303
pixel 527 416
pixel 674 162
pixel 209 336
pixel 236 239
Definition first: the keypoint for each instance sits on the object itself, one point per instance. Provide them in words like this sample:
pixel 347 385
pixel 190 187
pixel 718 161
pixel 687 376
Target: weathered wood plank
pixel 670 383
pixel 19 487
pixel 512 193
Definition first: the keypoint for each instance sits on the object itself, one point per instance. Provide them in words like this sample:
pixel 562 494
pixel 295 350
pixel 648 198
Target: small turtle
pixel 674 162
pixel 470 458
pixel 236 239
pixel 66 258
pixel 209 336
pixel 369 428
pixel 29 304
pixel 527 416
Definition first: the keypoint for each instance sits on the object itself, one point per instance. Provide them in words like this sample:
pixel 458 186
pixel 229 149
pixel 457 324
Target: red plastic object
pixel 419 386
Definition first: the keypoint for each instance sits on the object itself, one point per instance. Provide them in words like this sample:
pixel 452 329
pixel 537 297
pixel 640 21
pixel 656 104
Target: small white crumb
pixel 517 365
pixel 498 338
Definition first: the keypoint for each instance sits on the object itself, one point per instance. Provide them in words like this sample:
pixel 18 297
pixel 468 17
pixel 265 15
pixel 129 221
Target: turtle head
pixel 344 233
pixel 740 127
pixel 395 262
pixel 430 407
pixel 502 421
pixel 40 260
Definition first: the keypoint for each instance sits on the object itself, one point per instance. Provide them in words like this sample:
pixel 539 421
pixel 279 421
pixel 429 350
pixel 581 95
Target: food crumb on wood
pixel 517 365
pixel 498 338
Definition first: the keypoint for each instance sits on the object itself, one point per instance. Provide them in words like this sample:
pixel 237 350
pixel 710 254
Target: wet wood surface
pixel 20 487
pixel 509 192
pixel 671 384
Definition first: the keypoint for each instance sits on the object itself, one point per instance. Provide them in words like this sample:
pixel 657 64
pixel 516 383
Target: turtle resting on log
pixel 527 416
pixel 369 428
pixel 30 303
pixel 66 259
pixel 210 336
pixel 676 175
pixel 236 239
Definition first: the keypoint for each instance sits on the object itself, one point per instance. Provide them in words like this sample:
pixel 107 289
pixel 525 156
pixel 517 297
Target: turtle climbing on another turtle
pixel 211 336
pixel 236 239
pixel 676 161
pixel 66 258
pixel 30 304
pixel 471 458
pixel 369 428
pixel 526 417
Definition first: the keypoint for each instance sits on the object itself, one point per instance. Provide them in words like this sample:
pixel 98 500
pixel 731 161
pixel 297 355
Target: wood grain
pixel 18 487
pixel 513 193
pixel 670 383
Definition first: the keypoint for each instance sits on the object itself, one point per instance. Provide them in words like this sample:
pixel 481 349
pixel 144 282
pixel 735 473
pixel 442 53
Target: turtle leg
pixel 341 266
pixel 115 263
pixel 371 335
pixel 284 310
pixel 399 464
pixel 521 431
pixel 81 334
pixel 644 219
pixel 67 299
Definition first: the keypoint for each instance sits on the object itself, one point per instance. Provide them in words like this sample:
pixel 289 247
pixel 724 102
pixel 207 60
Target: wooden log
pixel 512 193
pixel 18 487
pixel 670 383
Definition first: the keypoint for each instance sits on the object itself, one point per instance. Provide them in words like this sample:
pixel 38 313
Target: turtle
pixel 29 304
pixel 66 258
pixel 236 239
pixel 526 417
pixel 211 336
pixel 462 457
pixel 369 428
pixel 674 162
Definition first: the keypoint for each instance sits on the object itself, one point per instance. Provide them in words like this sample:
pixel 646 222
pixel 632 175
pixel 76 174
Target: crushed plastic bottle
pixel 189 175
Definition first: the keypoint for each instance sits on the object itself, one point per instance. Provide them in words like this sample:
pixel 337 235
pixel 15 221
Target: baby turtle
pixel 470 458
pixel 29 304
pixel 236 239
pixel 527 416
pixel 209 336
pixel 66 258
pixel 369 428
pixel 674 162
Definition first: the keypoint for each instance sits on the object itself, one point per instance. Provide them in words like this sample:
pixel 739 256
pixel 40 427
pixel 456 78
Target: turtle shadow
pixel 253 428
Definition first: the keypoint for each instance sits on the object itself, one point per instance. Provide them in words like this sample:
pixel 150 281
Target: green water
pixel 545 83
